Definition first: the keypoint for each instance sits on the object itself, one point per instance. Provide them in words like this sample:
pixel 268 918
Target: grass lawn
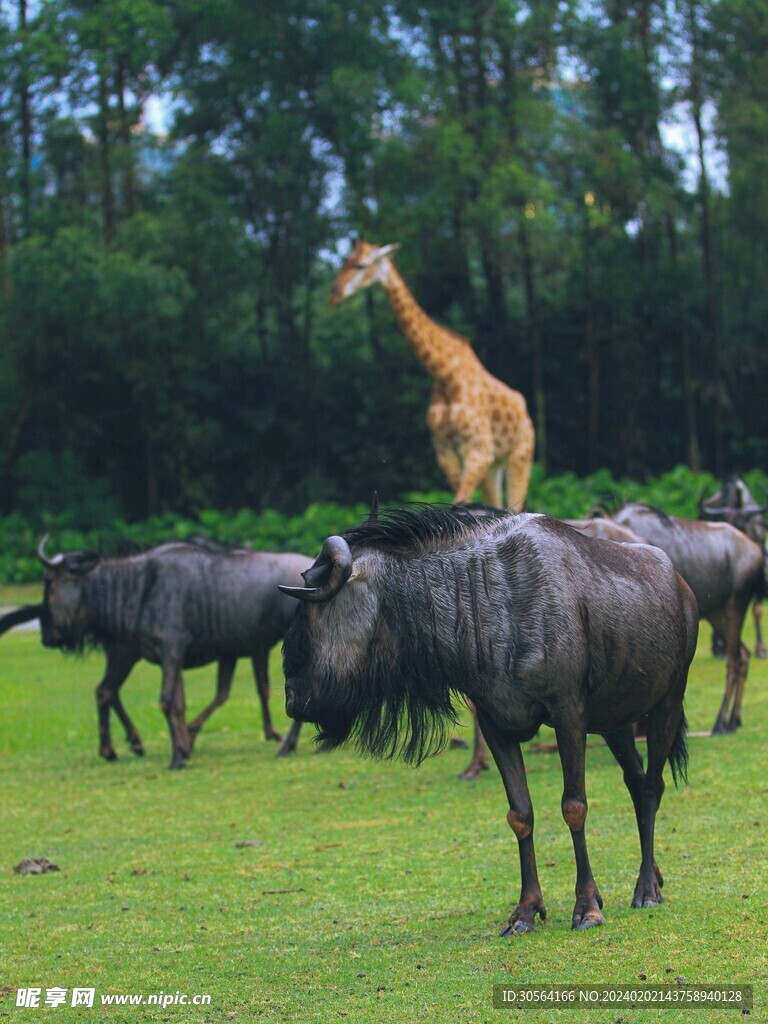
pixel 372 892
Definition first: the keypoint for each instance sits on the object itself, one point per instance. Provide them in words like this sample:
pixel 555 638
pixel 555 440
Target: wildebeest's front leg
pixel 260 662
pixel 509 760
pixel 288 746
pixel 119 665
pixel 571 744
pixel 173 705
pixel 224 674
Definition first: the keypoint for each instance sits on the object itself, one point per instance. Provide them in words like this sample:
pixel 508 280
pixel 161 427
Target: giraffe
pixel 480 428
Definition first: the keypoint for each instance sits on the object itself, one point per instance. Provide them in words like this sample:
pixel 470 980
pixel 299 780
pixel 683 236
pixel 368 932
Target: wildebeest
pixel 598 529
pixel 724 569
pixel 734 504
pixel 534 624
pixel 603 529
pixel 179 605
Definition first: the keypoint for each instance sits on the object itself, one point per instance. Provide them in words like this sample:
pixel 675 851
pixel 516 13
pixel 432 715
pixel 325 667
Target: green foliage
pixel 566 496
pixel 166 341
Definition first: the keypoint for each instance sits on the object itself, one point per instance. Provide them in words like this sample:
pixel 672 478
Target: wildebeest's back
pixel 210 605
pixel 614 619
pixel 711 557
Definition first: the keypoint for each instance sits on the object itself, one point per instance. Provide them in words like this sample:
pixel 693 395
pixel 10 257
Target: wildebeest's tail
pixel 25 614
pixel 678 755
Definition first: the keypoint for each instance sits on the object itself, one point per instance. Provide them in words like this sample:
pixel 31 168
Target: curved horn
pixel 50 563
pixel 336 551
pixel 744 510
pixel 715 510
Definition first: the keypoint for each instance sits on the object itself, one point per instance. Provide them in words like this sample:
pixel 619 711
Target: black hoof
pixel 582 924
pixel 286 751
pixel 108 755
pixel 516 928
pixel 646 901
pixel 457 743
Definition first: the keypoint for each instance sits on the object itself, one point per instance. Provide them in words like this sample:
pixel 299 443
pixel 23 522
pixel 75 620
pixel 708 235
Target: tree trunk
pixel 129 187
pixel 105 158
pixel 534 337
pixel 593 355
pixel 711 300
pixel 4 279
pixel 693 452
pixel 26 123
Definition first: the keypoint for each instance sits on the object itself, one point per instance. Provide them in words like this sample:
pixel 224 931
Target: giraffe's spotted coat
pixel 480 428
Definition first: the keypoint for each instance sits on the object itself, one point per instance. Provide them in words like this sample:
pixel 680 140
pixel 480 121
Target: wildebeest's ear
pixel 327 576
pixel 318 574
pixel 78 563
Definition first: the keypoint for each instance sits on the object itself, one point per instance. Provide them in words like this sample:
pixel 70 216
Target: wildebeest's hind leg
pixel 666 726
pixel 173 705
pixel 509 759
pixel 741 679
pixel 728 623
pixel 622 745
pixel 224 674
pixel 572 744
pixel 119 665
pixel 260 662
pixel 480 753
pixel 757 615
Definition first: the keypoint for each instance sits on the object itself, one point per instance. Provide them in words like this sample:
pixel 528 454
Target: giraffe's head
pixel 364 265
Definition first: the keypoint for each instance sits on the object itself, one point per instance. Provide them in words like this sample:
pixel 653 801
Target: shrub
pixel 565 496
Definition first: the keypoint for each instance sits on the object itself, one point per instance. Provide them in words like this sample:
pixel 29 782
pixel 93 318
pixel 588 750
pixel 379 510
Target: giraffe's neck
pixel 433 345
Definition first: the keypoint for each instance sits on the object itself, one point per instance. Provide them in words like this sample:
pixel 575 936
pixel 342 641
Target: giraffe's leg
pixel 491 488
pixel 439 423
pixel 449 462
pixel 477 461
pixel 519 466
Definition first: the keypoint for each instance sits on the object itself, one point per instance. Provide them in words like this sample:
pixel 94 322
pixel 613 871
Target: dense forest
pixel 578 186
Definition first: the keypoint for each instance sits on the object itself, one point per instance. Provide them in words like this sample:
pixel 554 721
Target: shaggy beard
pixel 397 724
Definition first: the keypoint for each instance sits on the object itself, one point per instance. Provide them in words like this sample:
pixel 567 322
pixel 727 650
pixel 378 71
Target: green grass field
pixel 375 892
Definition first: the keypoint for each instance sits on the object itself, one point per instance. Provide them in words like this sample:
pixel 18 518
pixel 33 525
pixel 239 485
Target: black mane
pixel 117 546
pixel 411 529
pixel 658 512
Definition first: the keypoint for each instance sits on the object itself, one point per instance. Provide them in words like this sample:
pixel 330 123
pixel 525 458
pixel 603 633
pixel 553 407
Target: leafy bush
pixel 565 496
